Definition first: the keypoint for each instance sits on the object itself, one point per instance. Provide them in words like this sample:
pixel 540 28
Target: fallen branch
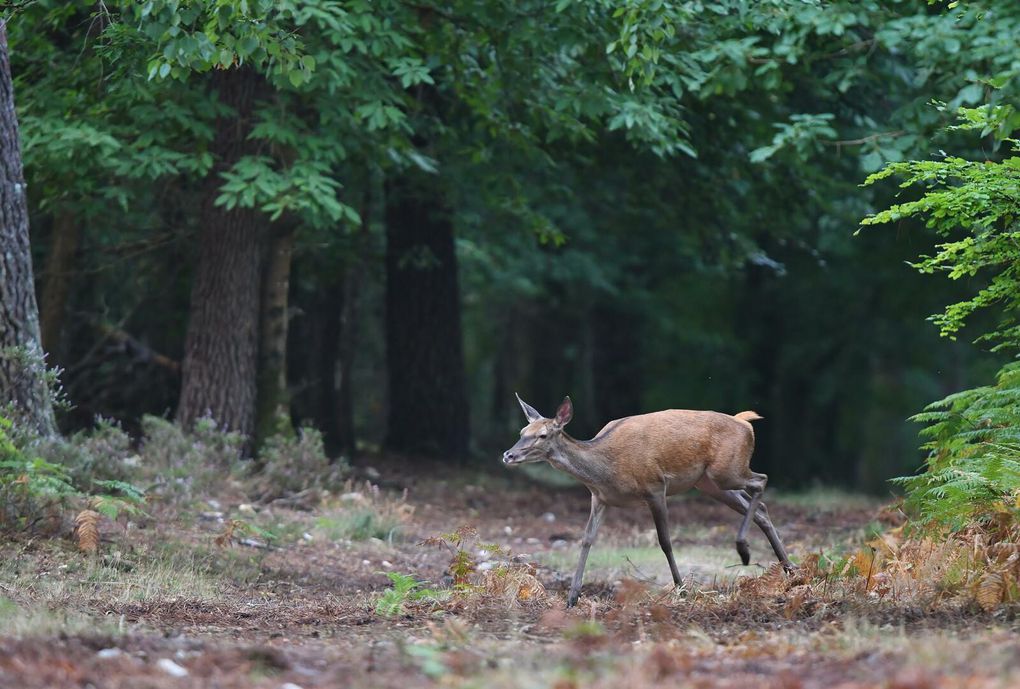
pixel 138 349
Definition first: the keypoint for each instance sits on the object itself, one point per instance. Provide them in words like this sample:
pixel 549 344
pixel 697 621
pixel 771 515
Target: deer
pixel 644 459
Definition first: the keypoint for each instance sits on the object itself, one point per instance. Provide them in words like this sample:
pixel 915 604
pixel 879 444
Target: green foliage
pixel 359 524
pixel 366 513
pixel 31 489
pixel 461 545
pixel 34 492
pixel 94 458
pixel 973 466
pixel 976 207
pixel 405 589
pixel 293 463
pixel 561 138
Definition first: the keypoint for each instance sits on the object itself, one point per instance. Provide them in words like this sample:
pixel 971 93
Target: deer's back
pixel 673 446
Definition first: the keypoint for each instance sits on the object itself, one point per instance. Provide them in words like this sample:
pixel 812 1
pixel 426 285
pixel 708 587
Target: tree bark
pixel 428 409
pixel 22 364
pixel 273 410
pixel 57 278
pixel 219 370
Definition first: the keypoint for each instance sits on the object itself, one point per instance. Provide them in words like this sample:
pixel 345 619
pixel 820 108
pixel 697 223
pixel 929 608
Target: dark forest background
pixel 383 219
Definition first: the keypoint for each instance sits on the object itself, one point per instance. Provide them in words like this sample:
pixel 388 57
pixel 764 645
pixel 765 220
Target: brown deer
pixel 644 459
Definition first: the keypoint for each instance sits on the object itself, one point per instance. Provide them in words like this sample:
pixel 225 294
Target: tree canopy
pixel 649 204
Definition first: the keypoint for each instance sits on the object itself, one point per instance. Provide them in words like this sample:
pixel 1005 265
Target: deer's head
pixel 538 437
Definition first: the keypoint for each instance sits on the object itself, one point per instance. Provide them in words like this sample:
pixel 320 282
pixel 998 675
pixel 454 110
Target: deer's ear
pixel 565 413
pixel 529 411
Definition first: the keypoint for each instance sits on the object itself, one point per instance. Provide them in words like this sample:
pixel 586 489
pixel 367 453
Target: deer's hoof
pixel 572 600
pixel 744 552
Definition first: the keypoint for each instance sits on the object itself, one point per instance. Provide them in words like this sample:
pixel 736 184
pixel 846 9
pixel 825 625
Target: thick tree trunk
pixel 428 410
pixel 57 278
pixel 221 347
pixel 22 367
pixel 273 415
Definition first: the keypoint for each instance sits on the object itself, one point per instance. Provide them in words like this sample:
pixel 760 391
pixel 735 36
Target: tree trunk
pixel 221 346
pixel 22 366
pixel 428 410
pixel 57 278
pixel 273 410
pixel 347 346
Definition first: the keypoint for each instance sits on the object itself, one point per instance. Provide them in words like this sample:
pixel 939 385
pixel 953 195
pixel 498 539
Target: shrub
pixel 91 457
pixel 35 492
pixel 973 206
pixel 973 466
pixel 32 491
pixel 291 464
pixel 180 460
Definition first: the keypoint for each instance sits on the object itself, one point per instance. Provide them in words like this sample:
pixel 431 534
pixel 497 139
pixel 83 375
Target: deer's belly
pixel 683 481
pixel 617 498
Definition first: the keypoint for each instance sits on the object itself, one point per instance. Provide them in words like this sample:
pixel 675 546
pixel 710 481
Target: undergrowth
pixel 973 467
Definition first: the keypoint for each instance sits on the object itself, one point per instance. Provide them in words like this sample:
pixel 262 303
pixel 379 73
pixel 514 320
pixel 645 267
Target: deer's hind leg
pixel 755 487
pixel 739 501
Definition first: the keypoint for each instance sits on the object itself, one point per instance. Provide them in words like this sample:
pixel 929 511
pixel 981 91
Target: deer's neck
pixel 581 461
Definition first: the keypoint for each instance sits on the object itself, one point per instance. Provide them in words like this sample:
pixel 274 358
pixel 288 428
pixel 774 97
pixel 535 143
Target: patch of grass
pixel 362 514
pixel 172 571
pixel 20 621
pixel 239 565
pixel 609 562
pixel 358 524
pixel 823 499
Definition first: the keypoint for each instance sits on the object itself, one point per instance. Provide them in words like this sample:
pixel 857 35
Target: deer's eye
pixel 541 436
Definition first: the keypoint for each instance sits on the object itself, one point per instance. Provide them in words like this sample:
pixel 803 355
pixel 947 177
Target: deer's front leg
pixel 598 509
pixel 660 513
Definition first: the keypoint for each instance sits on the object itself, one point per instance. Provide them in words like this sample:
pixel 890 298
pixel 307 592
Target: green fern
pixel 405 589
pixel 973 465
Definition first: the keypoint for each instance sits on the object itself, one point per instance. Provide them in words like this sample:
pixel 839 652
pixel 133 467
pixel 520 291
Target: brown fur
pixel 671 450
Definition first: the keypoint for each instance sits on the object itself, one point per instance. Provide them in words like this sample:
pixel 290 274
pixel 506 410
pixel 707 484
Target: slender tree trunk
pixel 428 409
pixel 347 348
pixel 273 411
pixel 22 367
pixel 219 370
pixel 57 278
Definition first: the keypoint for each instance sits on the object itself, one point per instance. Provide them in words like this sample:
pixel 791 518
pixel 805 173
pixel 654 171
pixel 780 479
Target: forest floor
pixel 164 604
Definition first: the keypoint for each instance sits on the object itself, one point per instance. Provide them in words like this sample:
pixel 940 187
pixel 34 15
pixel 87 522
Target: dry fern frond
pixel 864 562
pixel 226 537
pixel 799 596
pixel 86 531
pixel 888 543
pixel 989 591
pixel 771 582
pixel 514 585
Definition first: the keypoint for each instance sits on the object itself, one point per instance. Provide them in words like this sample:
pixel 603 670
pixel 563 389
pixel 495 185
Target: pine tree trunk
pixel 273 414
pixel 219 371
pixel 428 410
pixel 57 278
pixel 22 368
